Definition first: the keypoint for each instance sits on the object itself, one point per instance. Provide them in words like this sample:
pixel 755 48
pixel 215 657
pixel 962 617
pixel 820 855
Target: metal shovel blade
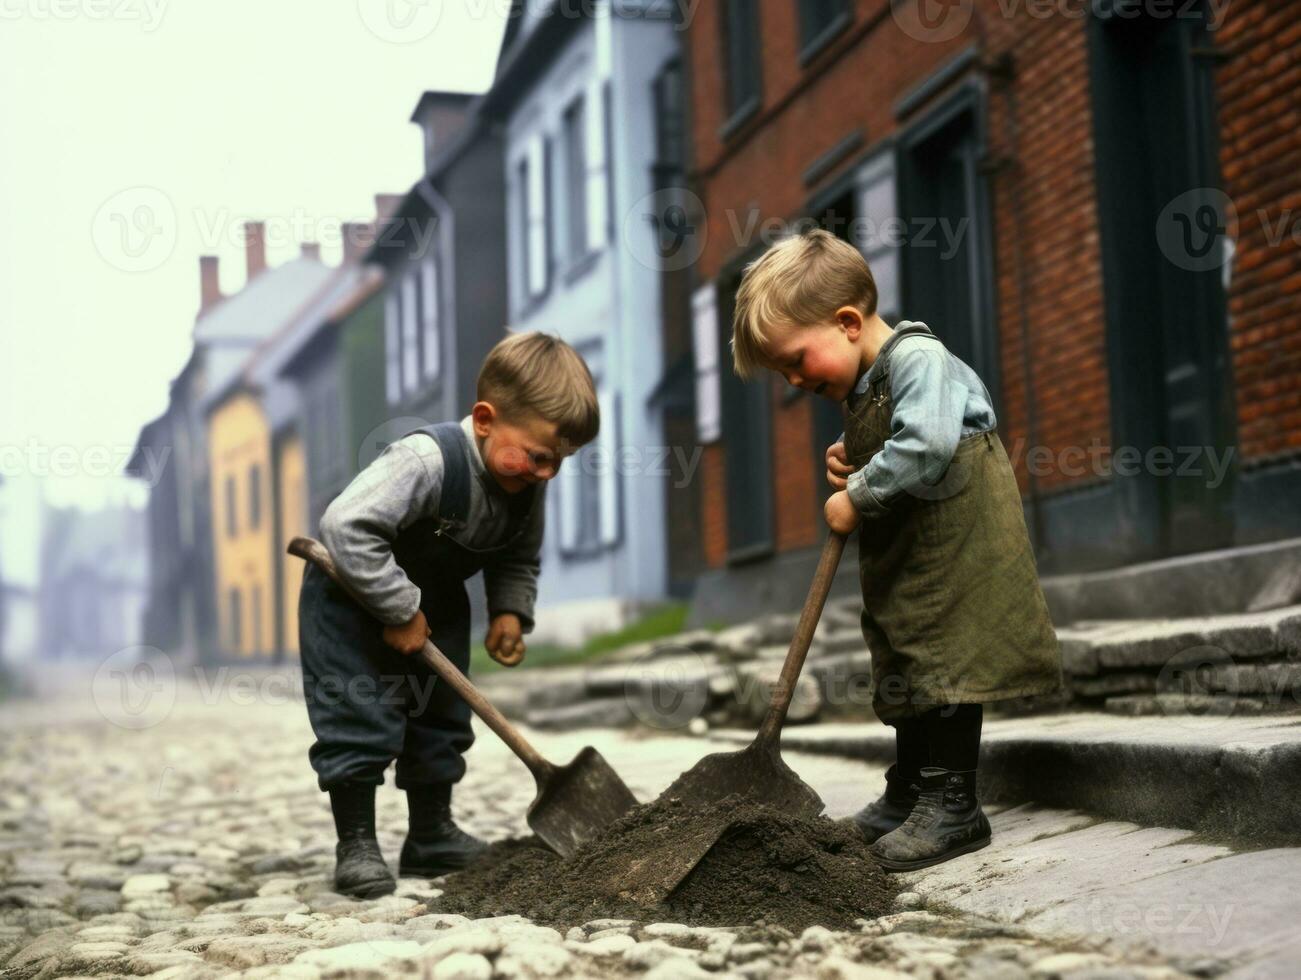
pixel 578 801
pixel 756 773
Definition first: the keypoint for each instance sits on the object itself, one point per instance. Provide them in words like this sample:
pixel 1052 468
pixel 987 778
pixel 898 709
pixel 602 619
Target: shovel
pixel 756 773
pixel 574 802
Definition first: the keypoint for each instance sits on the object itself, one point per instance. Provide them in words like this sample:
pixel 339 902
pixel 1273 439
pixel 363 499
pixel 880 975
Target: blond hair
pixel 802 280
pixel 539 374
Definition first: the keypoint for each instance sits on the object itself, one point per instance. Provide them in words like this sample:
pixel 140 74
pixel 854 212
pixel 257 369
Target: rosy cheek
pixel 512 461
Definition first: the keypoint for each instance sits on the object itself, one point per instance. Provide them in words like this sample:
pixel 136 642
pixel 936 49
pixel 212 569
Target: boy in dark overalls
pixel 437 506
pixel 952 608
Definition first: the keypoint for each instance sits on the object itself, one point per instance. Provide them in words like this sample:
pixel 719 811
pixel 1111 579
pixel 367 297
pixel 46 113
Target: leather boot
pixel 359 868
pixel 435 845
pixel 947 821
pixel 888 811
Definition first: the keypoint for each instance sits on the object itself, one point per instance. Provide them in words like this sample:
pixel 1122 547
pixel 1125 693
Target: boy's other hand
pixel 838 468
pixel 842 516
pixel 505 640
pixel 410 637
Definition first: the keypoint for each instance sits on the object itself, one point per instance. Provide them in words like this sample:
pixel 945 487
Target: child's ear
pixel 851 321
pixel 482 415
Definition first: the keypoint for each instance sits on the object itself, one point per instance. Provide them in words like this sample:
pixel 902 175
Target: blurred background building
pixel 1091 210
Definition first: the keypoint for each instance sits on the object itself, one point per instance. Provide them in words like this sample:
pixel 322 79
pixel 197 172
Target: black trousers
pixel 370 705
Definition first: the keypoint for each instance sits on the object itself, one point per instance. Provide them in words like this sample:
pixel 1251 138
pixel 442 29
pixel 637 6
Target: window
pixel 392 348
pixel 255 600
pixel 879 231
pixel 410 336
pixel 236 620
pixel 429 317
pixel 670 140
pixel 254 496
pixel 575 136
pixel 740 33
pixel 232 524
pixel 704 331
pixel 820 20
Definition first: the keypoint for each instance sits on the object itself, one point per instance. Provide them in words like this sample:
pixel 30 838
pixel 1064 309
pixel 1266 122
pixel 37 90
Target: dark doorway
pixel 1163 228
pixel 945 258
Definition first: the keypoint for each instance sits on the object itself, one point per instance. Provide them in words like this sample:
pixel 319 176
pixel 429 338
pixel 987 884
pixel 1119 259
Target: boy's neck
pixel 875 333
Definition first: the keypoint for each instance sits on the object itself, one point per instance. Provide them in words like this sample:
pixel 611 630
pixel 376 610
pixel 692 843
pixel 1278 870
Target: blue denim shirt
pixel 937 399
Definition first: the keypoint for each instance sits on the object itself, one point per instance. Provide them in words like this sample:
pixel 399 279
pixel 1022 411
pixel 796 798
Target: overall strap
pixel 880 368
pixel 454 500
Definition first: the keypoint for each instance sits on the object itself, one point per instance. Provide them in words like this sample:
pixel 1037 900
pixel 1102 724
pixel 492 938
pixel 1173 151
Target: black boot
pixel 435 845
pixel 947 821
pixel 359 869
pixel 888 811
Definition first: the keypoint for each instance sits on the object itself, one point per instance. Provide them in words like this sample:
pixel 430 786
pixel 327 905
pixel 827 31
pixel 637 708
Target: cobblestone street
pixel 198 845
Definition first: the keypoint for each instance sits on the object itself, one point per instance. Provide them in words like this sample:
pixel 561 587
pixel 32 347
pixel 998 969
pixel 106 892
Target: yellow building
pixel 292 506
pixel 243 520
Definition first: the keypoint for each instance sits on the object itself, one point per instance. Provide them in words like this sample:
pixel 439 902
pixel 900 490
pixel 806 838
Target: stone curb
pixel 1229 778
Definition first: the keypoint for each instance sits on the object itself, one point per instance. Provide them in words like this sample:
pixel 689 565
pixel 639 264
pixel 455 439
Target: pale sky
pixel 191 116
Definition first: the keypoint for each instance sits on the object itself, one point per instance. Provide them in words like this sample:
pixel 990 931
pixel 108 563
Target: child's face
pixel 518 453
pixel 822 358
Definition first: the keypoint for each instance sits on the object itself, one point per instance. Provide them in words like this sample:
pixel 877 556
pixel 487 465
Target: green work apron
pixel 952 608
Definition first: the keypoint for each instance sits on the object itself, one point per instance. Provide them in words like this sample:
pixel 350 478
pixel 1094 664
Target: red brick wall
pixel 1046 244
pixel 1258 90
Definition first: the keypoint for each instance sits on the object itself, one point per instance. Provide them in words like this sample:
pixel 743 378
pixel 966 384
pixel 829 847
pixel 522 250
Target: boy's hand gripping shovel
pixel 756 773
pixel 574 802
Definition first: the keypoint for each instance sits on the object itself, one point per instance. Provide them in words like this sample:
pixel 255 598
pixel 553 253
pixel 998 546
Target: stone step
pixel 1230 778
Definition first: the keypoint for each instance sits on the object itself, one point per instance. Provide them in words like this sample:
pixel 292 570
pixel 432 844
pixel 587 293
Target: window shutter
pixel 392 377
pixel 429 316
pixel 536 201
pixel 594 118
pixel 704 333
pixel 569 481
pixel 410 335
pixel 609 477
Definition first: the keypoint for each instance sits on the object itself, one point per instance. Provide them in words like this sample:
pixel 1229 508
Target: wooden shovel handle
pixel 313 551
pixel 770 730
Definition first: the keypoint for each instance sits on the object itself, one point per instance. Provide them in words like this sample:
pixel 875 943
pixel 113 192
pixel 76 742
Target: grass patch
pixel 658 622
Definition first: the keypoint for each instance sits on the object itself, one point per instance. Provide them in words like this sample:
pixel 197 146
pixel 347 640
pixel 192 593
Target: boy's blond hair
pixel 802 280
pixel 539 374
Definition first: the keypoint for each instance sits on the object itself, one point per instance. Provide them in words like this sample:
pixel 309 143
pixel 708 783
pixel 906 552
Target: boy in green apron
pixel 952 608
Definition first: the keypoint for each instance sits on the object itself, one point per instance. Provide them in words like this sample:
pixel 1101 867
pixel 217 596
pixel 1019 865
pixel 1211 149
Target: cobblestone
pixel 201 847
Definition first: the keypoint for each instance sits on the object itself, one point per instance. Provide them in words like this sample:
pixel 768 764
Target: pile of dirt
pixel 787 871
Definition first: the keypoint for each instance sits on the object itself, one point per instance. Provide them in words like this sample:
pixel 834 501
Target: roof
pixel 238 336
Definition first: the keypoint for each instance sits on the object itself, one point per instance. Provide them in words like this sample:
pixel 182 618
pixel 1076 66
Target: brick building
pixel 1095 203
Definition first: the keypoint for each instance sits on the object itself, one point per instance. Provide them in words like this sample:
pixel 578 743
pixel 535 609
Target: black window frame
pixel 573 127
pixel 734 18
pixel 821 21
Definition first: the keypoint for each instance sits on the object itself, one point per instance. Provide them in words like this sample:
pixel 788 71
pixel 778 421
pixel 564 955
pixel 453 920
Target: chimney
pixel 441 116
pixel 358 237
pixel 209 284
pixel 311 250
pixel 385 206
pixel 255 248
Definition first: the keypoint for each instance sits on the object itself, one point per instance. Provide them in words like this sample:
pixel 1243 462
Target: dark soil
pixel 786 871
